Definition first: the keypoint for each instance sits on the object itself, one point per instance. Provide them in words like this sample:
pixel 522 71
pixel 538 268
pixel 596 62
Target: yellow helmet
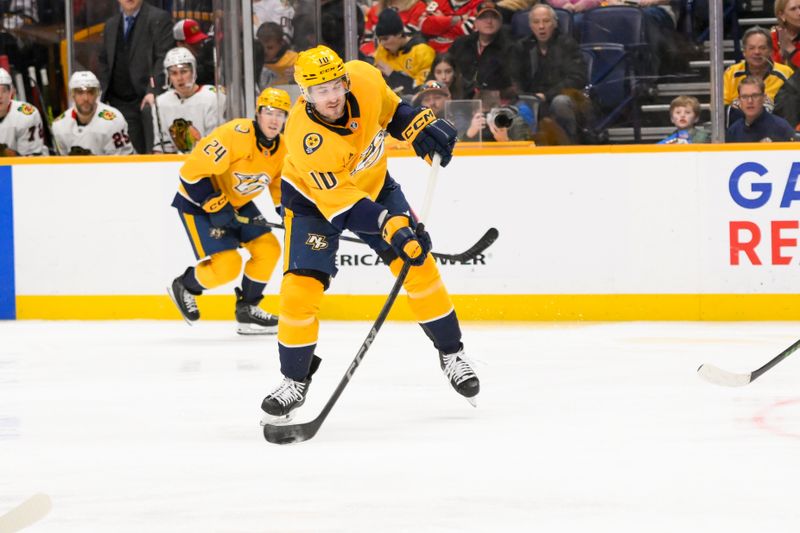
pixel 318 65
pixel 275 98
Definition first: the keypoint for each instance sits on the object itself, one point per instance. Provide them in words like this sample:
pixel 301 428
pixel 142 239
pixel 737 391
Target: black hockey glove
pixel 220 211
pixel 430 135
pixel 409 245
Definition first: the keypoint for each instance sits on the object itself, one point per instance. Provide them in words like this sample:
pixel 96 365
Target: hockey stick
pixel 289 434
pixel 719 376
pixel 36 91
pixel 158 115
pixel 471 253
pixel 28 512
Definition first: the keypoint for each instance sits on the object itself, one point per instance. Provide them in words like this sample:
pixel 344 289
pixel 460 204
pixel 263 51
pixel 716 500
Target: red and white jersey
pixel 21 129
pixel 201 113
pixel 105 134
pixel 441 27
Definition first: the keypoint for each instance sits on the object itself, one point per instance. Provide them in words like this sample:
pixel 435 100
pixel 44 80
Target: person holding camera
pixel 549 65
pixel 507 121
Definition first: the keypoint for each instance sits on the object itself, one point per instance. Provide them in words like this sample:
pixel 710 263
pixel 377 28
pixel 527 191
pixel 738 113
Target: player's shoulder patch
pixel 243 126
pixel 107 114
pixel 311 142
pixel 26 109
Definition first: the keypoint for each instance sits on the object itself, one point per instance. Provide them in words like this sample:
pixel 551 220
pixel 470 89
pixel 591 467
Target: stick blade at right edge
pixel 27 513
pixel 718 376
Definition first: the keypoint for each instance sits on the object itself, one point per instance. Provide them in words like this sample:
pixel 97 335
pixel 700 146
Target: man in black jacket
pixel 135 41
pixel 550 66
pixel 482 57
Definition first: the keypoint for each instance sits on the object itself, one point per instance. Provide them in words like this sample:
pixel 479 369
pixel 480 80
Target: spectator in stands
pixel 434 95
pixel 21 130
pixel 187 33
pixel 404 60
pixel 549 65
pixel 279 59
pixel 660 21
pixel 785 36
pixel 787 101
pixel 410 12
pixel 186 112
pixel 135 41
pixel 444 22
pixel 502 123
pixel 482 57
pixel 443 70
pixel 757 125
pixel 90 127
pixel 757 48
pixel 575 6
pixel 684 112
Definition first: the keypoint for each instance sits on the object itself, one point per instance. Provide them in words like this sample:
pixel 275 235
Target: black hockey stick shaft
pixel 158 115
pixel 473 251
pixel 775 360
pixel 288 434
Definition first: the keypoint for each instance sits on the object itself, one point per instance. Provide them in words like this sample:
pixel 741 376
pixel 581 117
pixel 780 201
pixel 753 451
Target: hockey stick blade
pixel 293 433
pixel 25 514
pixel 476 249
pixel 718 376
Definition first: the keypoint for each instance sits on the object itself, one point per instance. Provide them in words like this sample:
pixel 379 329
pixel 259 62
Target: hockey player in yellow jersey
pixel 335 178
pixel 218 182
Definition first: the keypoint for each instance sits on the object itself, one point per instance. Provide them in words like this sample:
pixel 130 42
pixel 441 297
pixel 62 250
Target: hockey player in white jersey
pixel 90 127
pixel 21 130
pixel 187 112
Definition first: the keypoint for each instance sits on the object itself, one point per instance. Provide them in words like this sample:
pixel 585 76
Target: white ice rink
pixel 598 427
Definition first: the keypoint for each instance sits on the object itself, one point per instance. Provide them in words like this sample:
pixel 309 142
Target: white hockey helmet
pixel 83 79
pixel 180 56
pixel 5 78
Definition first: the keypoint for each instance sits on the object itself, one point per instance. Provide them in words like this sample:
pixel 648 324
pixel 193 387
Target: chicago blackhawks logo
pixel 311 142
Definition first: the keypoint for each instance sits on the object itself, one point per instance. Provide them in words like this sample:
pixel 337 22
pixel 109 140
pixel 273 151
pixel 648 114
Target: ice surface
pixel 153 427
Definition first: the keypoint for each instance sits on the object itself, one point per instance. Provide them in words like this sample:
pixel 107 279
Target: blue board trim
pixel 8 306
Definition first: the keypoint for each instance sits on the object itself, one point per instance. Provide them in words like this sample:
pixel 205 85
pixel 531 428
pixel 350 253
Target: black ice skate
pixel 184 300
pixel 280 404
pixel 252 320
pixel 461 376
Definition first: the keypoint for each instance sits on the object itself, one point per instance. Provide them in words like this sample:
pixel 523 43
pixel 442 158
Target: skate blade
pixel 175 301
pixel 472 401
pixel 268 419
pixel 250 329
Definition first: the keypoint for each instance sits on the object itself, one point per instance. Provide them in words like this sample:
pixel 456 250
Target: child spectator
pixel 684 113
pixel 279 60
pixel 404 60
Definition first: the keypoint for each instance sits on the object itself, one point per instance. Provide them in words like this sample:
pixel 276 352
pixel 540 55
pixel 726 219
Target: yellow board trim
pixel 549 307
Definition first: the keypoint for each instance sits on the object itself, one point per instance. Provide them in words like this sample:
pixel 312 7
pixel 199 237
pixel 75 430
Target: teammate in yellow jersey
pixel 219 180
pixel 335 178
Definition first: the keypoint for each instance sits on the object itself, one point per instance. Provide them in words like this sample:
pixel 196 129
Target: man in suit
pixel 135 41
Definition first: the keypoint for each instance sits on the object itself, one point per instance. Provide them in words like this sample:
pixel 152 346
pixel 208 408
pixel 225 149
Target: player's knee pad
pixel 265 252
pixel 300 299
pixel 219 269
pixel 427 295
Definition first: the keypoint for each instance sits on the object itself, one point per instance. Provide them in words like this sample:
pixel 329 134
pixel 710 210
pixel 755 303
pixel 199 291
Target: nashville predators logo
pixel 250 183
pixel 317 242
pixel 311 142
pixel 106 115
pixel 25 109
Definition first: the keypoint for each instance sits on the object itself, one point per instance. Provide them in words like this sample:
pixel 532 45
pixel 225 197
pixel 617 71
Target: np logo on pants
pixel 317 242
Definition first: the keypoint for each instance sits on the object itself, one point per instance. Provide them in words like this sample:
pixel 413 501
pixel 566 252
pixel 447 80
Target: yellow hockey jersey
pixel 235 159
pixel 334 166
pixel 411 64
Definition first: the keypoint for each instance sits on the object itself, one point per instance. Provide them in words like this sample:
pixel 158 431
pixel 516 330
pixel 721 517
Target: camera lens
pixel 503 119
